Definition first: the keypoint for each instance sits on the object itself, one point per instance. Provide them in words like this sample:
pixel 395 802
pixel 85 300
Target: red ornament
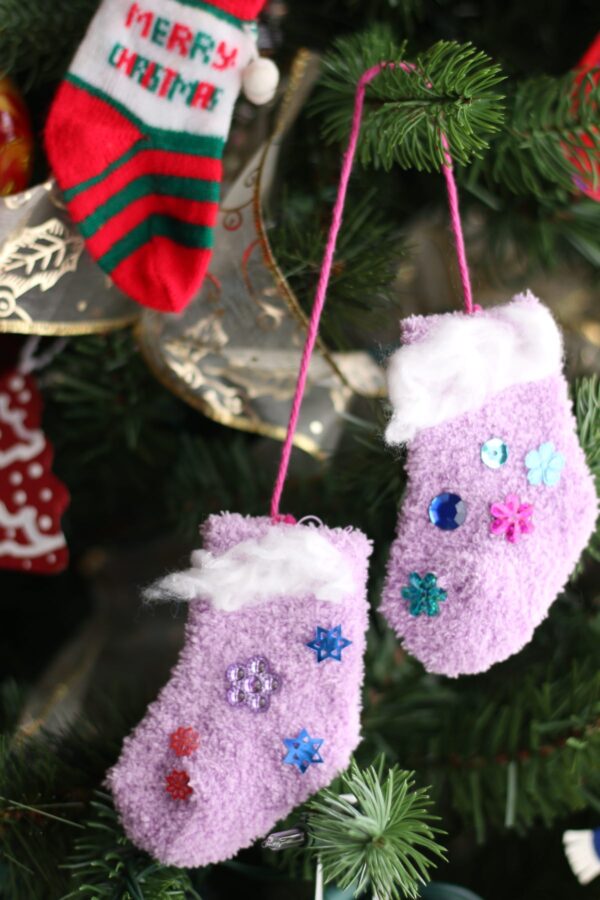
pixel 16 140
pixel 184 741
pixel 586 163
pixel 178 785
pixel 32 499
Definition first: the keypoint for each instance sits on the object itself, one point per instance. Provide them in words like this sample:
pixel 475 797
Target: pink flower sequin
pixel 512 518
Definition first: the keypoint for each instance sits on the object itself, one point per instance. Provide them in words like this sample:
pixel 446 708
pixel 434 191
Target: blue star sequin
pixel 329 643
pixel 303 751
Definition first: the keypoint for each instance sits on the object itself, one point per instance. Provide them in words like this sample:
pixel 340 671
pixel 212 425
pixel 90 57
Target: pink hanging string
pixel 455 221
pixel 325 273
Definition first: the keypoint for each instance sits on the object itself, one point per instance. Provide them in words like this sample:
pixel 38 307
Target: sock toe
pixel 162 274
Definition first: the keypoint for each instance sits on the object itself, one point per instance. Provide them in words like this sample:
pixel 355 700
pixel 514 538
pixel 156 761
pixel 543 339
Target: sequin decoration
pixel 494 453
pixel 184 741
pixel 303 751
pixel 178 785
pixel 251 684
pixel 423 594
pixel 447 511
pixel 328 643
pixel 545 465
pixel 511 518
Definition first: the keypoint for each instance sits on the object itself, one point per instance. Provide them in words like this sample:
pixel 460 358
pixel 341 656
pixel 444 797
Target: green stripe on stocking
pixel 194 236
pixel 161 138
pixel 147 185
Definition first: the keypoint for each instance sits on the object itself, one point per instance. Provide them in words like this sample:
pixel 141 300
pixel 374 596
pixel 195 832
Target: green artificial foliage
pixel 105 865
pixel 549 122
pixel 508 750
pixel 47 782
pixel 382 839
pixel 587 410
pixel 37 40
pixel 368 249
pixel 452 90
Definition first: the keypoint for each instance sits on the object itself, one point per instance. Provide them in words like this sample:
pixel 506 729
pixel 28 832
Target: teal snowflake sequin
pixel 423 594
pixel 545 465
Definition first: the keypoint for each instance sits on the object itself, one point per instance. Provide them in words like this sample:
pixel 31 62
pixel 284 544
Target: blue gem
pixel 447 511
pixel 303 751
pixel 494 453
pixel 329 643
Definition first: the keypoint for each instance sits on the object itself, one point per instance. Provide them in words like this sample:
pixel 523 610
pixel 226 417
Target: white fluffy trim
pixel 287 561
pixel 582 856
pixel 462 360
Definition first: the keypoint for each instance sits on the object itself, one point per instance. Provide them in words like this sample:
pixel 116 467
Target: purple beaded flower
pixel 251 684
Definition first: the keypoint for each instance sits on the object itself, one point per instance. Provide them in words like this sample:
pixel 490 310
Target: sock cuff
pixel 453 364
pixel 246 10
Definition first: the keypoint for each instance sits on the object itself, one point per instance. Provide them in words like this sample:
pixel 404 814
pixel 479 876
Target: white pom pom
pixel 259 80
pixel 582 853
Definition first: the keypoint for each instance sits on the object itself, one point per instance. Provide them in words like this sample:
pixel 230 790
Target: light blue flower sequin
pixel 545 465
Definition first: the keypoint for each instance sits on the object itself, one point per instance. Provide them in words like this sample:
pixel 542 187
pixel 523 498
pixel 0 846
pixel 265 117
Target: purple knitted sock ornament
pixel 500 502
pixel 263 707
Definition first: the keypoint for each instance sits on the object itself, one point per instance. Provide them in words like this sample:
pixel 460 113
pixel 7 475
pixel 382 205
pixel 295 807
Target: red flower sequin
pixel 178 785
pixel 184 741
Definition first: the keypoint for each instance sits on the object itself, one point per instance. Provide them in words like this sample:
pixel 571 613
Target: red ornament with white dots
pixel 184 741
pixel 32 499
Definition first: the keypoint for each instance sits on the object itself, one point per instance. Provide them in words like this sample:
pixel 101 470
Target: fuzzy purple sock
pixel 253 720
pixel 500 502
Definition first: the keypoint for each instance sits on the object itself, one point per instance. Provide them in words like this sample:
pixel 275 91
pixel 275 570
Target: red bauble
pixel 16 140
pixel 32 499
pixel 588 165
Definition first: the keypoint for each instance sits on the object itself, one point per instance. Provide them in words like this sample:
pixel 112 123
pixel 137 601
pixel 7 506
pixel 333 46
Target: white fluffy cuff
pixel 295 561
pixel 463 359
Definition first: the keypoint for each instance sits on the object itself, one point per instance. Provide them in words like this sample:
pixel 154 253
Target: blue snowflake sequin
pixel 545 465
pixel 329 643
pixel 423 594
pixel 303 751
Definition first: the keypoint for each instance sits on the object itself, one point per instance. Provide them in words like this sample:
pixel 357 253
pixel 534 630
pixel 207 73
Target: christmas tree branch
pixel 587 411
pixel 550 122
pixel 507 748
pixel 375 833
pixel 38 40
pixel 451 91
pixel 105 865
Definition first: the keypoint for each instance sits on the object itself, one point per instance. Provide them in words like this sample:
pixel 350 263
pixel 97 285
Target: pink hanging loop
pixel 325 272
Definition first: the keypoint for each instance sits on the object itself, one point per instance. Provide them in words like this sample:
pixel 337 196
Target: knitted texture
pixel 136 134
pixel 239 781
pixel 499 576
